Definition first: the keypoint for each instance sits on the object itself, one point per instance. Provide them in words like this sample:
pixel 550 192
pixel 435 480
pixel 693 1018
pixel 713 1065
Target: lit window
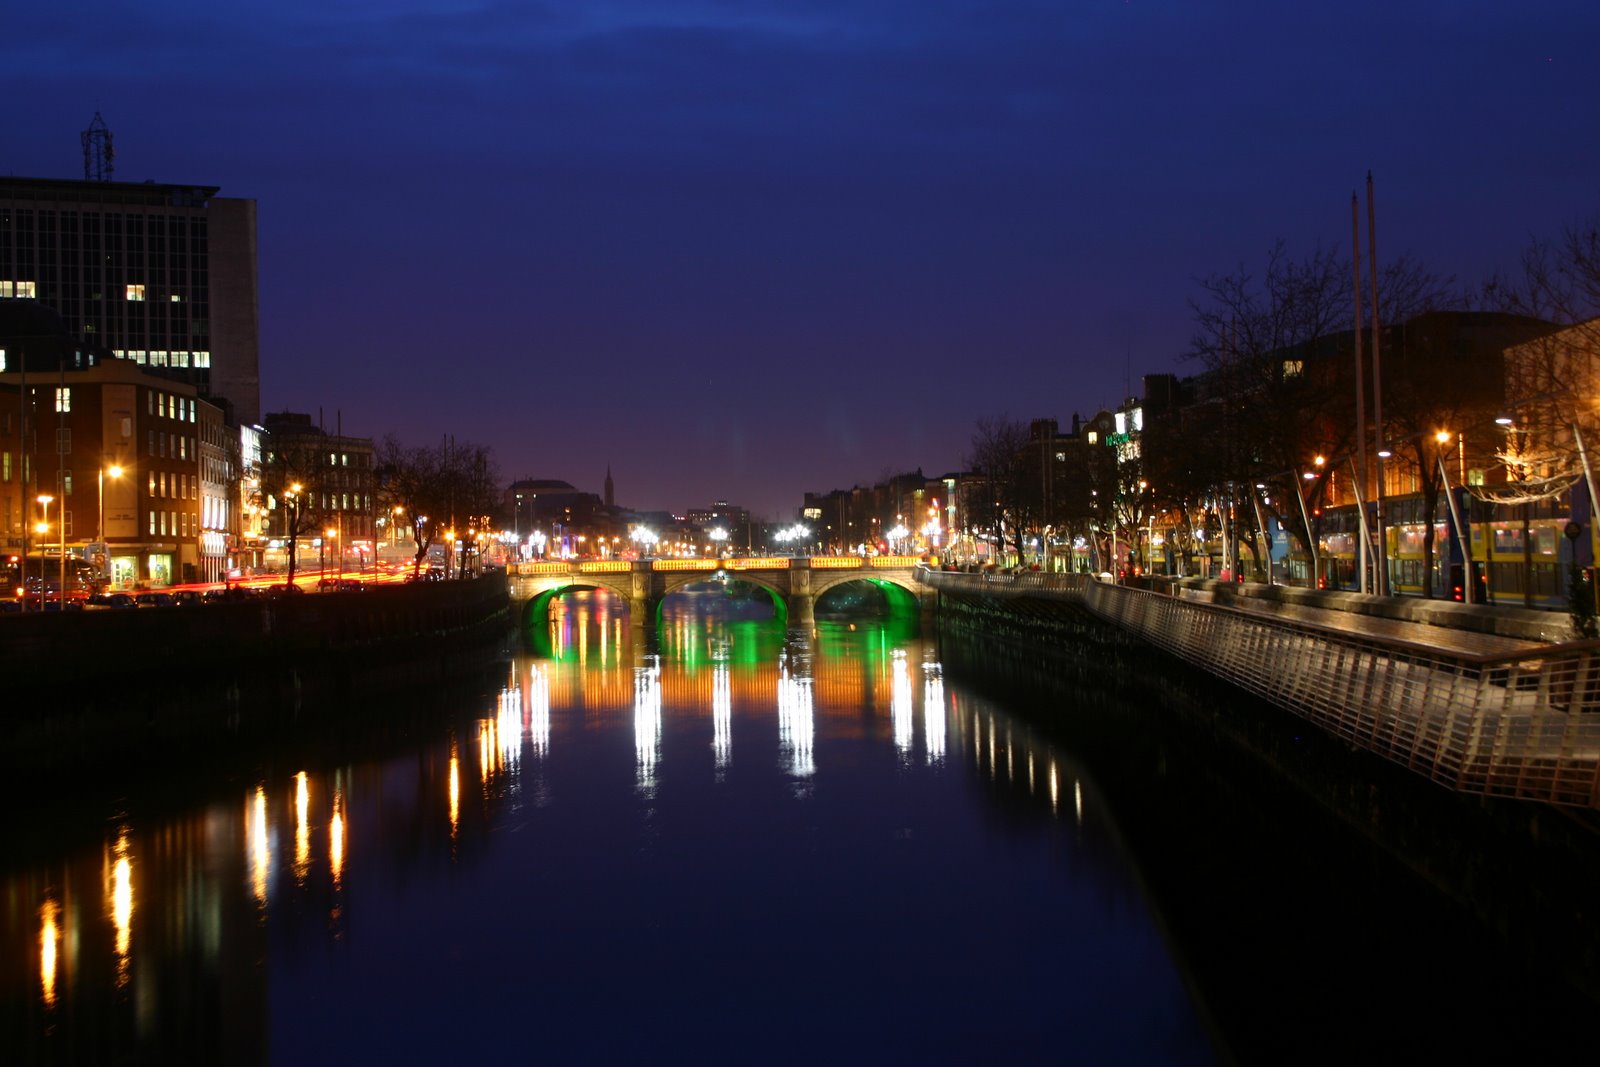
pixel 25 290
pixel 2 360
pixel 63 398
pixel 176 299
pixel 1292 368
pixel 135 292
pixel 1094 437
pixel 202 359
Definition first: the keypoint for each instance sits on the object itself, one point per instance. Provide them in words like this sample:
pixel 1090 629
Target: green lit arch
pixel 682 579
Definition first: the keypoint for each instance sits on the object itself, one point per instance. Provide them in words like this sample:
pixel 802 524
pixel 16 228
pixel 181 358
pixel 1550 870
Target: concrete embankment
pixel 85 687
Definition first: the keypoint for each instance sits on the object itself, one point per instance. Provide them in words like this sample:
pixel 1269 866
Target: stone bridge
pixel 794 582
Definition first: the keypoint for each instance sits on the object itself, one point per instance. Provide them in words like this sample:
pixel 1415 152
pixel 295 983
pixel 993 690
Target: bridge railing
pixel 1522 723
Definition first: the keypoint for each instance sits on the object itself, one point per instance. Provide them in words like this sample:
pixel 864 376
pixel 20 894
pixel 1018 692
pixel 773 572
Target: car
pixel 155 600
pixel 118 600
pixel 186 597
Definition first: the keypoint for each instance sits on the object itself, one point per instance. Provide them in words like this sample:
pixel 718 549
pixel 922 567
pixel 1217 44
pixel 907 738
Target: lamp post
pixel 43 529
pixel 115 471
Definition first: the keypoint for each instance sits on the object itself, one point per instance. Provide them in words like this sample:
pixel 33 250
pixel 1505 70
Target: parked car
pixel 155 600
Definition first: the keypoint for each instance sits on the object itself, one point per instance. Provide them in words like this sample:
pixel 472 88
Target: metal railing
pixel 1523 723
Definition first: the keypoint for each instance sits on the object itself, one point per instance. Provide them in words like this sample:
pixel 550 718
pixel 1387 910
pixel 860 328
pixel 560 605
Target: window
pixel 5 466
pixel 1293 368
pixel 1094 437
pixel 175 298
pixel 66 485
pixel 2 360
pixel 63 398
pixel 23 290
pixel 134 292
pixel 152 523
pixel 64 440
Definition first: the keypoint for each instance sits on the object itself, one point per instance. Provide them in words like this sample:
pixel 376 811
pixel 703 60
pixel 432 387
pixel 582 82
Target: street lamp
pixel 45 500
pixel 115 471
pixel 646 538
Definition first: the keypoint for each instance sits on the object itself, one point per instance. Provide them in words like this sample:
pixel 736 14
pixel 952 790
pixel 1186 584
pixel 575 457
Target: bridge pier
pixel 802 609
pixel 642 613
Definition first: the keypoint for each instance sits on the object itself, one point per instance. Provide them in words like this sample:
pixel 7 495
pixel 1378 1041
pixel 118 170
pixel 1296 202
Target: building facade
pixel 163 276
pixel 126 471
pixel 335 473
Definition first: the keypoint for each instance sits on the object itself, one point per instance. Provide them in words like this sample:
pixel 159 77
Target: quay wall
pixel 83 687
pixel 1528 871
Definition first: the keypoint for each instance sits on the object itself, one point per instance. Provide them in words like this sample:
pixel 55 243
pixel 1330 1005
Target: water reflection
pixel 121 894
pixel 850 773
pixel 647 725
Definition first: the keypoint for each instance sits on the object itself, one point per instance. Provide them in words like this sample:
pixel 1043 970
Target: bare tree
pixel 445 491
pixel 291 490
pixel 1003 494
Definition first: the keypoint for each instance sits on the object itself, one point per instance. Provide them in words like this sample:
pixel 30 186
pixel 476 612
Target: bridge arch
pixel 677 582
pixel 535 611
pixel 902 595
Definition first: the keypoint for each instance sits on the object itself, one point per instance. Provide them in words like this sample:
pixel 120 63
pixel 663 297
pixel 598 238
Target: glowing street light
pixel 113 471
pixel 45 499
pixel 646 538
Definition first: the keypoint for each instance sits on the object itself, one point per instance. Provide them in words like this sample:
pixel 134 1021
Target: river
pixel 726 840
pixel 739 843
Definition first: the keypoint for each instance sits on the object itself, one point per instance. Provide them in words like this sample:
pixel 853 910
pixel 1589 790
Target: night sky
pixel 745 250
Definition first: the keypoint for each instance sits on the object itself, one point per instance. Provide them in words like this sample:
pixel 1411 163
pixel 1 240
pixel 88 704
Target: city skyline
pixel 742 254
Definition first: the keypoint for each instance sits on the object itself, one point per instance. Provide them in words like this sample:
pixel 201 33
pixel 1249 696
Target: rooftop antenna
pixel 97 151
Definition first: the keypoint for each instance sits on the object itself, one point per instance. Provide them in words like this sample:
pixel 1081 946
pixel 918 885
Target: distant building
pixel 161 275
pixel 341 487
pixel 562 519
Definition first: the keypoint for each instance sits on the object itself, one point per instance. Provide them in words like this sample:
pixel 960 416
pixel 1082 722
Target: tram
pixel 1521 554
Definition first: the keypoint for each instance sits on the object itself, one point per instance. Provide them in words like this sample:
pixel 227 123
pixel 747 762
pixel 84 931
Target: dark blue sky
pixel 745 250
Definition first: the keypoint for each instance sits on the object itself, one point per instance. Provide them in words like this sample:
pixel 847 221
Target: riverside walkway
pixel 1478 712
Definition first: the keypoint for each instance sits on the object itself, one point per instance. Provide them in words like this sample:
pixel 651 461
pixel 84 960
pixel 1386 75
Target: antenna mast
pixel 97 151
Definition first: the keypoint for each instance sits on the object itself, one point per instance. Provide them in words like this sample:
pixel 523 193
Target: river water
pixel 730 842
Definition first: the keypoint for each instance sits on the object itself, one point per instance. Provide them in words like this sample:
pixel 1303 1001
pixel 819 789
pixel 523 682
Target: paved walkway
pixel 1423 635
